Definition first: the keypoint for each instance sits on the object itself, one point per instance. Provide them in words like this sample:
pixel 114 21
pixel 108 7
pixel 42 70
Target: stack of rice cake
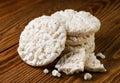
pixel 80 44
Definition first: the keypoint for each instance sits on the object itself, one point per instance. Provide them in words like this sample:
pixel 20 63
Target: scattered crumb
pixel 46 71
pixel 100 55
pixel 87 76
pixel 56 73
pixel 105 70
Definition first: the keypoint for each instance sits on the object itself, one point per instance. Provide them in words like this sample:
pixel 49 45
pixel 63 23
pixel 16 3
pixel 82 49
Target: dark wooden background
pixel 15 14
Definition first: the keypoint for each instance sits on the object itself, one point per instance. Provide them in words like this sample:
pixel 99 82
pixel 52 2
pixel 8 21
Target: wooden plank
pixel 14 16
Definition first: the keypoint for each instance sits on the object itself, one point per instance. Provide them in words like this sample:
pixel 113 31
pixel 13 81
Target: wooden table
pixel 15 14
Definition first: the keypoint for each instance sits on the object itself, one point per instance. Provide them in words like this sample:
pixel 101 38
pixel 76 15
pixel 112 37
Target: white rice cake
pixel 93 64
pixel 42 41
pixel 72 62
pixel 77 23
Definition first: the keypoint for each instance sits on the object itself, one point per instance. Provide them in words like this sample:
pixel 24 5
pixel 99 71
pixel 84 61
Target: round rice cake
pixel 42 41
pixel 78 23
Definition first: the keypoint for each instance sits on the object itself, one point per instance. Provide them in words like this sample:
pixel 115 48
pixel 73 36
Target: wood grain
pixel 14 16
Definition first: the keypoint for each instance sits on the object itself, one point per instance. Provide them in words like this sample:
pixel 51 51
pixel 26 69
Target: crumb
pixel 46 71
pixel 100 55
pixel 56 73
pixel 87 76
